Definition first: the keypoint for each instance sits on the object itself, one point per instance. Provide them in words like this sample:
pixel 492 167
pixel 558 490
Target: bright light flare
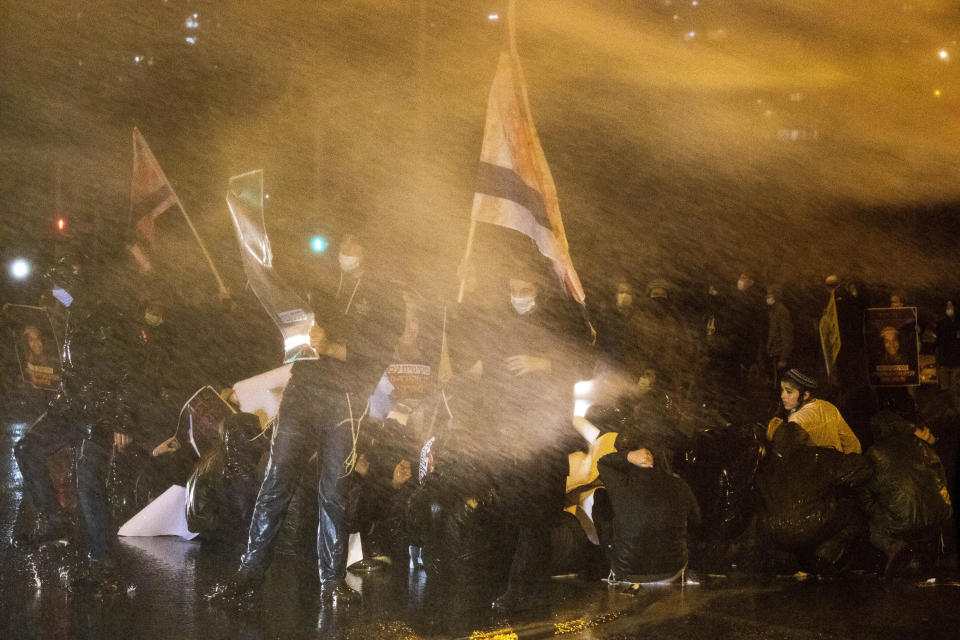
pixel 937 93
pixel 944 54
pixel 493 17
pixel 19 268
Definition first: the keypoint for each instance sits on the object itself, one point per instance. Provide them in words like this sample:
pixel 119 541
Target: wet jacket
pixel 780 332
pixel 908 490
pixel 95 389
pixel 800 487
pixel 947 346
pixel 653 512
pixel 525 411
pixel 365 314
pixel 221 492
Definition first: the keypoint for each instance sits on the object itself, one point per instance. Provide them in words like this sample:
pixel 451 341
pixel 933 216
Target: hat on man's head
pixel 889 331
pixel 657 288
pixel 800 379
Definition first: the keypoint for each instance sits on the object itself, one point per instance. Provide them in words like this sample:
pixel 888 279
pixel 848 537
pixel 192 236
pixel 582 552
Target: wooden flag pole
pixel 223 288
pixel 465 263
pixel 511 29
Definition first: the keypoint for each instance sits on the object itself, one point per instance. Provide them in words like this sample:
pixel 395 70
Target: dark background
pixel 688 141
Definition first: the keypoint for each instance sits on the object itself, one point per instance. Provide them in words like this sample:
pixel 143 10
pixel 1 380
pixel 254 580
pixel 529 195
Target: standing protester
pixel 525 377
pixel 322 408
pixel 617 325
pixel 745 322
pixel 779 333
pixel 947 350
pixel 664 338
pixel 92 412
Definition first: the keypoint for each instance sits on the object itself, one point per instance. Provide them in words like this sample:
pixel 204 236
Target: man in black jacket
pixel 92 412
pixel 653 514
pixel 324 403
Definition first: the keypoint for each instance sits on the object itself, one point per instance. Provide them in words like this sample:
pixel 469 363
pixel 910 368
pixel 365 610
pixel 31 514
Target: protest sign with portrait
pixel 892 346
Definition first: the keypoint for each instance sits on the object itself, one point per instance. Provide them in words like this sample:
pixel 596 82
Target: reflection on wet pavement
pixel 164 577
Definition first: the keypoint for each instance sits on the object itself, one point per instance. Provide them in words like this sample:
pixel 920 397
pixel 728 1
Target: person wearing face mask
pixel 358 323
pixel 779 333
pixel 616 325
pixel 524 375
pixel 746 309
pixel 947 350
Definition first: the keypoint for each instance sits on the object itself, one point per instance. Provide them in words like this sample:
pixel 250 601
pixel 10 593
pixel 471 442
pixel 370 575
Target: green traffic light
pixel 318 244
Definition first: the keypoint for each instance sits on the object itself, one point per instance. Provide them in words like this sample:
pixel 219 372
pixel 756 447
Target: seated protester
pixel 808 497
pixel 818 418
pixel 641 409
pixel 652 514
pixel 909 501
pixel 453 511
pixel 223 487
pixel 377 491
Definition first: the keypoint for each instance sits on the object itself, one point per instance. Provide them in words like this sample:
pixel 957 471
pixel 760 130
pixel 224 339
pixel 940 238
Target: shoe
pixel 47 530
pixel 369 565
pixel 239 591
pixel 99 578
pixel 898 558
pixel 337 595
pixel 513 601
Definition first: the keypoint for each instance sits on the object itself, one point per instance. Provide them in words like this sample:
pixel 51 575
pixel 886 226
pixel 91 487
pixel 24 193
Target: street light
pixel 19 269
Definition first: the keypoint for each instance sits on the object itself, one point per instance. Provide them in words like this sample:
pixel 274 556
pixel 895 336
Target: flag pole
pixel 511 29
pixel 512 46
pixel 466 259
pixel 223 288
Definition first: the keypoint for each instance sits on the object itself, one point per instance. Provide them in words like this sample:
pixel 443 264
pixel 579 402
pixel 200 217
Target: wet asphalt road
pixel 163 579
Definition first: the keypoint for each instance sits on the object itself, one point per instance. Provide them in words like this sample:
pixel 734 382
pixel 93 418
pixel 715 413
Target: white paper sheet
pixel 262 393
pixel 165 516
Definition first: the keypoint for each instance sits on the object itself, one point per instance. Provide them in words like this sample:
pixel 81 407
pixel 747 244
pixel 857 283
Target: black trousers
pixel 322 426
pixel 50 433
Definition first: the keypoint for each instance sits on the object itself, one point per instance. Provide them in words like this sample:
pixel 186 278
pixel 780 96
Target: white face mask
pixel 770 300
pixel 624 299
pixel 348 264
pixel 522 304
pixel 742 284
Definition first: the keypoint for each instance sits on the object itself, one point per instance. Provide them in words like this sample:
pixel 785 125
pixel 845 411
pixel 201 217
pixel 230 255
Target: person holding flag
pixel 525 373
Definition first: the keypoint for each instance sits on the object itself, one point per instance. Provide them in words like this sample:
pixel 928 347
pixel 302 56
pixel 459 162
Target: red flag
pixel 514 186
pixel 150 196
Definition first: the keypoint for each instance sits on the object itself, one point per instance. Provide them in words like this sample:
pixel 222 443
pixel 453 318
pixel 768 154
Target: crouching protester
pixel 908 498
pixel 403 410
pixel 809 496
pixel 650 518
pixel 223 487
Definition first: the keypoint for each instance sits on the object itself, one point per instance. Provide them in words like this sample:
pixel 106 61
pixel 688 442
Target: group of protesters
pixel 450 436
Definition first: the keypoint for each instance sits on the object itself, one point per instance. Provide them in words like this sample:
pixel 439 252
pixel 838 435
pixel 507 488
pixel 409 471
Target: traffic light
pixel 318 244
pixel 61 224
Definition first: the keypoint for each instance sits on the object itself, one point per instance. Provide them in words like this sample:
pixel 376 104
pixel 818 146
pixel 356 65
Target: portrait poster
pixel 36 346
pixel 893 347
